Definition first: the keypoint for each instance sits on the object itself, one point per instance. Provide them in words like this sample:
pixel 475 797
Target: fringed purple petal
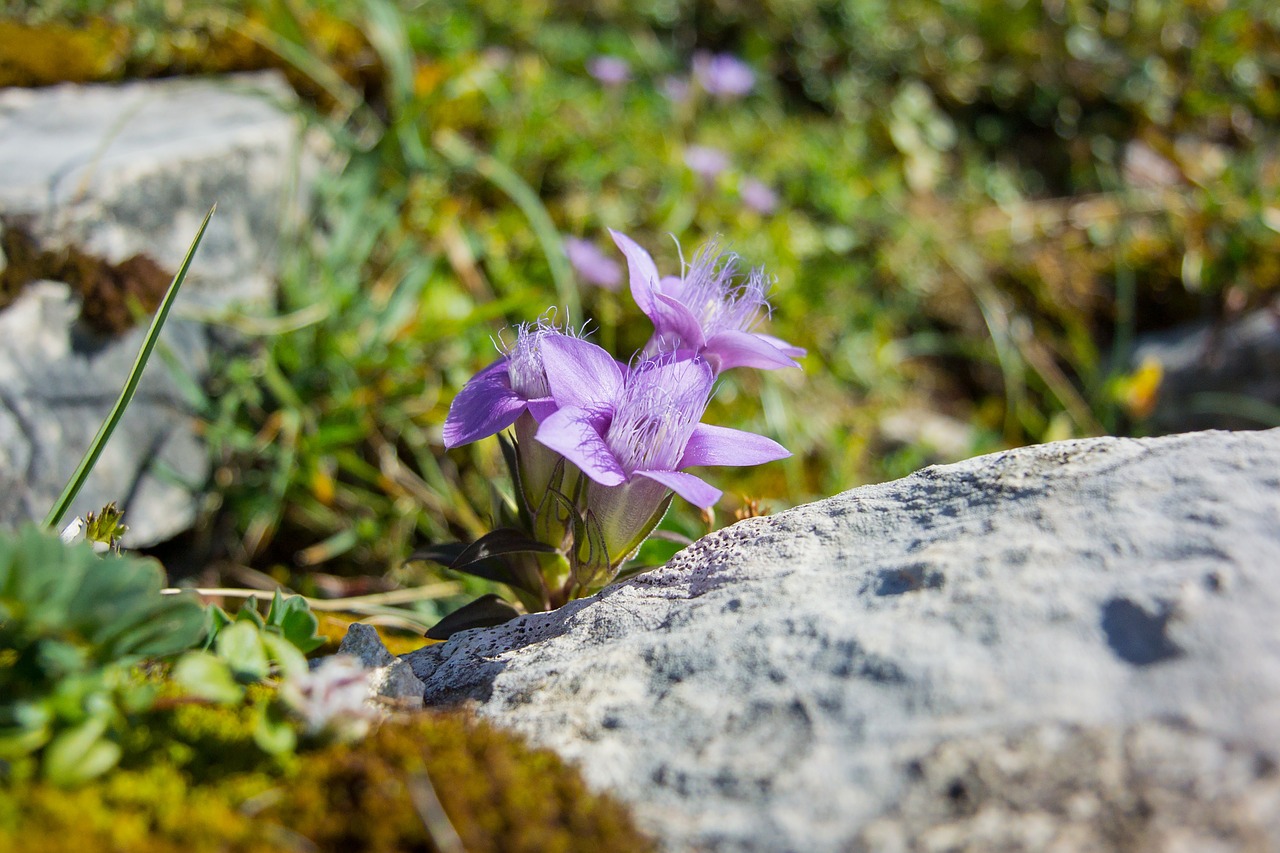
pixel 643 272
pixel 746 349
pixel 715 445
pixel 485 406
pixel 695 490
pixel 575 434
pixel 580 373
pixel 675 323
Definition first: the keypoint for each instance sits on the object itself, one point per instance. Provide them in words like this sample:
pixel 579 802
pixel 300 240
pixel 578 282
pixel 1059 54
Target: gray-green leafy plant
pixel 74 625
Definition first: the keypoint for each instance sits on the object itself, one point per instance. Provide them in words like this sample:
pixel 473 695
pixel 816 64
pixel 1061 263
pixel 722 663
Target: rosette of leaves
pixel 74 625
pixel 249 649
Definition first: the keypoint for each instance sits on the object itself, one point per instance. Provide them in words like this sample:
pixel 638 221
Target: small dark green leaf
pixel 491 569
pixel 248 612
pixel 275 613
pixel 443 553
pixel 484 612
pixel 511 454
pixel 301 627
pixel 504 540
pixel 215 620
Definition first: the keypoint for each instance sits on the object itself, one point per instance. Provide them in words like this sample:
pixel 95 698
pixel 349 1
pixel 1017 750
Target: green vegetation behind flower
pixel 978 205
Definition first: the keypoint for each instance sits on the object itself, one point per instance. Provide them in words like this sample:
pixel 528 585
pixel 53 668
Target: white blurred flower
pixel 332 697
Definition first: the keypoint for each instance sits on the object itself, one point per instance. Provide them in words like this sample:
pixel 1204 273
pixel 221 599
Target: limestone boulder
pixel 108 184
pixel 1071 646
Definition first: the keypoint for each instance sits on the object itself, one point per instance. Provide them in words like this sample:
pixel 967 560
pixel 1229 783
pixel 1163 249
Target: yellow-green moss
pixel 51 53
pixel 499 795
pixel 42 53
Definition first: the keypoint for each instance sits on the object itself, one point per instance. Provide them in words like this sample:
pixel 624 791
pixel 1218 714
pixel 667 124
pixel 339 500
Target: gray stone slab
pixel 1070 646
pixel 132 168
pixel 115 171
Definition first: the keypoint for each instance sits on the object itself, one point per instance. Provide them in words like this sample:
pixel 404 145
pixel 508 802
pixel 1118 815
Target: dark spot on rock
pixel 734 605
pixel 1136 636
pixel 907 579
pixel 963 800
pixel 113 296
pixel 1215 581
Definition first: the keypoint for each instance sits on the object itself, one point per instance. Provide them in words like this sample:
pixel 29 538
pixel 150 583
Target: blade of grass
pixel 130 386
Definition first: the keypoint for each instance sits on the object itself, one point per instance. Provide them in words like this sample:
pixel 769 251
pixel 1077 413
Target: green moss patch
pixel 214 791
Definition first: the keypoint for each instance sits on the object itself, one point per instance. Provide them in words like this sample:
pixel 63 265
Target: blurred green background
pixel 980 204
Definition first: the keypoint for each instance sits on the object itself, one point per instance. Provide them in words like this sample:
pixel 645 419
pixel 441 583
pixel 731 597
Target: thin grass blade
pixel 130 386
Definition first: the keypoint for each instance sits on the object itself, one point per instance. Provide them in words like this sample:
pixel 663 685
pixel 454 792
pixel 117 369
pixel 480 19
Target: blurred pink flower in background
pixel 706 162
pixel 593 265
pixel 723 75
pixel 612 71
pixel 758 196
pixel 675 88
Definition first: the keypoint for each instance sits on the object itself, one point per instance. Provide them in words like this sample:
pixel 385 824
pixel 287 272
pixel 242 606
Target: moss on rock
pixel 210 789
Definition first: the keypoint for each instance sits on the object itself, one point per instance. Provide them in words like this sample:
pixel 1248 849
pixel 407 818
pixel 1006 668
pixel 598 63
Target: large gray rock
pixel 1070 646
pixel 113 172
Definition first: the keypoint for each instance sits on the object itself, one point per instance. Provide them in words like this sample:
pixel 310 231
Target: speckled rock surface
pixel 114 172
pixel 1070 646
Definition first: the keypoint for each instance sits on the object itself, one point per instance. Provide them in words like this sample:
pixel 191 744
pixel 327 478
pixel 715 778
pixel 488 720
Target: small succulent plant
pixel 73 626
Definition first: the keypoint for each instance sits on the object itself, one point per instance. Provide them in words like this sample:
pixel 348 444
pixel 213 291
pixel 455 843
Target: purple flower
pixel 758 196
pixel 706 162
pixel 593 265
pixel 723 75
pixel 632 432
pixel 498 395
pixel 710 311
pixel 612 71
pixel 675 88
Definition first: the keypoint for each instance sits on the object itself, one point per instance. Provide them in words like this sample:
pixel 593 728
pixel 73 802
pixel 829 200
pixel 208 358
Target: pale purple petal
pixel 730 349
pixel 609 70
pixel 706 162
pixel 723 75
pixel 485 406
pixel 580 373
pixel 695 490
pixel 715 445
pixel 673 319
pixel 542 407
pixel 643 272
pixel 675 88
pixel 787 349
pixel 574 434
pixel 758 196
pixel 593 265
